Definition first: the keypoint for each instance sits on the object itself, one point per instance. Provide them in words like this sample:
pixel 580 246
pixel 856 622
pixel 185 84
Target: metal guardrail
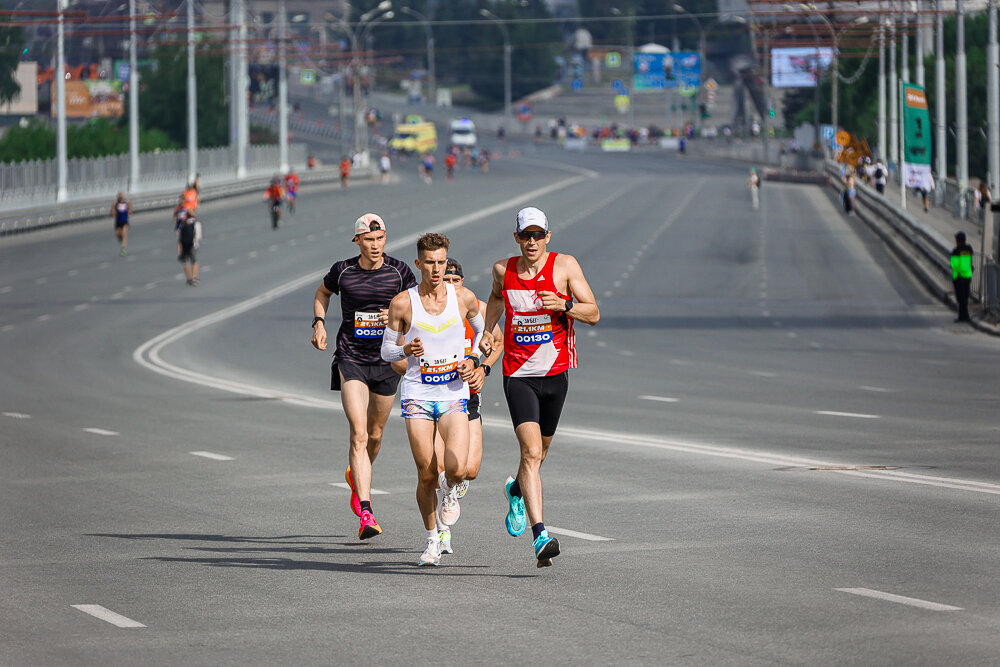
pixel 74 212
pixel 36 181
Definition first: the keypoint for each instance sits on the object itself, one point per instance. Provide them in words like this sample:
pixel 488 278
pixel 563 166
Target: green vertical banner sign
pixel 916 137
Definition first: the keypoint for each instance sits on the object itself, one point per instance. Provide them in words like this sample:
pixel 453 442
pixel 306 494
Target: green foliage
pixel 858 111
pixel 11 43
pixel 163 97
pixel 95 138
pixel 534 46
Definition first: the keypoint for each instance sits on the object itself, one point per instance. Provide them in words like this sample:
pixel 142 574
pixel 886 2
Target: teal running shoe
pixel 516 519
pixel 546 548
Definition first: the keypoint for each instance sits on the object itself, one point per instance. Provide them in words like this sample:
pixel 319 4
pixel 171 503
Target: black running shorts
pixel 381 379
pixel 536 399
pixel 473 406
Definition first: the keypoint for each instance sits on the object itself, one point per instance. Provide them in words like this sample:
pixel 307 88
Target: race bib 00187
pixel 368 325
pixel 531 329
pixel 441 370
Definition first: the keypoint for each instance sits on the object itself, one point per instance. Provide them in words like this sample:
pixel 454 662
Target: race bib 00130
pixel 531 329
pixel 368 325
pixel 441 370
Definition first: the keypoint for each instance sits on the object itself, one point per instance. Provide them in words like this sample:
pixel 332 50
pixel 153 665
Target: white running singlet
pixel 434 376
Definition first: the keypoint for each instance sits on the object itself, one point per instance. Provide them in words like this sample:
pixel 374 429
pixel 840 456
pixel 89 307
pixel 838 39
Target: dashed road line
pixel 101 431
pixel 660 399
pixel 44 318
pixel 105 614
pixel 880 390
pixel 213 456
pixel 80 306
pixel 853 415
pixel 16 415
pixel 344 485
pixel 5 289
pixel 583 536
pixel 900 599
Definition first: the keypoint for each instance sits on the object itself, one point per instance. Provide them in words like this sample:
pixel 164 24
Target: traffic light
pixel 24 51
pixel 770 112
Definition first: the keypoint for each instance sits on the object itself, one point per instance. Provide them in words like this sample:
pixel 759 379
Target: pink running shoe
pixel 355 502
pixel 369 526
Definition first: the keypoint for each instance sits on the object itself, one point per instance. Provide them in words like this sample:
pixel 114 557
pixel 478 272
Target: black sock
pixel 366 505
pixel 537 529
pixel 515 489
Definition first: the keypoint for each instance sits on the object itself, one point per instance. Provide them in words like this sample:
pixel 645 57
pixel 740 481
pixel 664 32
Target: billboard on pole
pixel 799 67
pixel 916 137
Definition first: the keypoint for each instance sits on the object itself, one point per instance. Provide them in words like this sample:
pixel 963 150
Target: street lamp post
pixel 431 82
pixel 355 35
pixel 701 57
pixel 835 64
pixel 61 192
pixel 506 64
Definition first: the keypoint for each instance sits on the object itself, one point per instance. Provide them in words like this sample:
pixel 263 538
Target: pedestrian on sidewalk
pixel 983 198
pixel 881 176
pixel 961 275
pixel 925 190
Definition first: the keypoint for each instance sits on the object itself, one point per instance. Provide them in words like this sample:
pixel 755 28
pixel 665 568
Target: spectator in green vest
pixel 961 275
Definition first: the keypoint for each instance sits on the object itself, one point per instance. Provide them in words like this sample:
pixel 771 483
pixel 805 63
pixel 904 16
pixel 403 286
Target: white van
pixel 463 132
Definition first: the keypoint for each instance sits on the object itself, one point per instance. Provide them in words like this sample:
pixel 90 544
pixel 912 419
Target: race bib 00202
pixel 531 329
pixel 368 325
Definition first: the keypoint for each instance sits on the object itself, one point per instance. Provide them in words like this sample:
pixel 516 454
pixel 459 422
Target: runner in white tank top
pixel 434 389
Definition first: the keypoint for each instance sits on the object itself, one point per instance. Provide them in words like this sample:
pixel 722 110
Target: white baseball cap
pixel 531 217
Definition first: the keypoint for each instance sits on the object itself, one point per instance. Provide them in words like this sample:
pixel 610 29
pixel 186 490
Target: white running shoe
pixel 462 488
pixel 445 537
pixel 432 554
pixel 448 509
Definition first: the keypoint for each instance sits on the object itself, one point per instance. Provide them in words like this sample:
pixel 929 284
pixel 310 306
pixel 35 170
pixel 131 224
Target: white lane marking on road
pixel 765 313
pixel 344 485
pixel 608 293
pixel 252 254
pixel 272 248
pixel 81 306
pixel 901 599
pixel 16 415
pixel 213 456
pixel 118 295
pixel 156 251
pixel 101 431
pixel 41 281
pixel 813 344
pixel 43 318
pixel 853 415
pixel 626 353
pixel 583 536
pixel 5 289
pixel 106 614
pixel 230 261
pixel 791 334
pixel 103 265
pixel 763 374
pixel 661 399
pixel 881 390
pixel 601 343
pixel 616 283
pixel 72 273
pixel 149 286
pixel 680 362
pixel 7 327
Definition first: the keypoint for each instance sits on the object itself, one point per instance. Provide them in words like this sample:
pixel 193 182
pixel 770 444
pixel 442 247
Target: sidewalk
pixel 940 223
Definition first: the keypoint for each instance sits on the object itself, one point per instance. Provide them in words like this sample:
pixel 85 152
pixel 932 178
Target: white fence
pixel 36 181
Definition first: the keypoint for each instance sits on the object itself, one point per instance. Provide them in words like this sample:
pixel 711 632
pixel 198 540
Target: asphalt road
pixel 777 448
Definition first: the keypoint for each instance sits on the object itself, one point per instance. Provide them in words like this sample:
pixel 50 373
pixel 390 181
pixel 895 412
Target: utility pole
pixel 881 89
pixel 905 50
pixel 961 110
pixel 893 99
pixel 240 90
pixel 993 101
pixel 61 192
pixel 133 103
pixel 282 89
pixel 192 98
pixel 920 44
pixel 940 86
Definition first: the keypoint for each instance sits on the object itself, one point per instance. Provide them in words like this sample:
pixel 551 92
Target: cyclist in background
pixel 291 189
pixel 274 195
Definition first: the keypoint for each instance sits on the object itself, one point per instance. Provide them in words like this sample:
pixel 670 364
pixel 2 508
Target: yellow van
pixel 415 138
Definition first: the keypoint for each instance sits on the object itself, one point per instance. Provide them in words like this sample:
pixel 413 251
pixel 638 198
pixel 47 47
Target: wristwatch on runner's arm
pixel 318 319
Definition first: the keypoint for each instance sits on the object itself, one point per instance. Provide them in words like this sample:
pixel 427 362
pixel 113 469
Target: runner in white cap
pixel 540 294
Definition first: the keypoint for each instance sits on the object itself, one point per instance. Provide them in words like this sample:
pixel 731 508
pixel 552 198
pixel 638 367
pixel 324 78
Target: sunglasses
pixel 534 236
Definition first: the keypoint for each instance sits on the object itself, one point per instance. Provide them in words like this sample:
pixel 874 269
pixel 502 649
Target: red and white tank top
pixel 537 341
